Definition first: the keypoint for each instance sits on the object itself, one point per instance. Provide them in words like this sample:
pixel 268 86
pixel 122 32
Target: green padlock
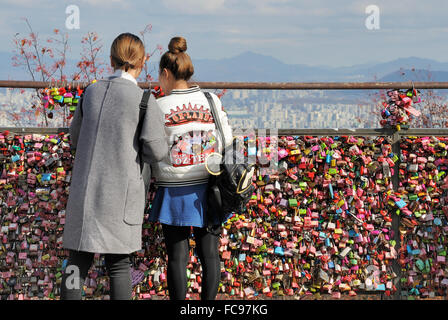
pixel 427 266
pixel 420 264
pixel 292 202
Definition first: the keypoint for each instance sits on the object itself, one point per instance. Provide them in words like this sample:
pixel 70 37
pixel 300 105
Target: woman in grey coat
pixel 106 202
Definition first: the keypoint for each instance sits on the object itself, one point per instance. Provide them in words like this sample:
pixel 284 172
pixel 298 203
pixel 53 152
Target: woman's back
pixel 191 135
pixel 107 188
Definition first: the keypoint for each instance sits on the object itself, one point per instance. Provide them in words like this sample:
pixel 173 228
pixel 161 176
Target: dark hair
pixel 177 60
pixel 127 52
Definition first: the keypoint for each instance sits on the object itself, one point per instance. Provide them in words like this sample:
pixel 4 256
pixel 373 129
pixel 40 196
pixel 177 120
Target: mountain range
pixel 255 67
pixel 251 66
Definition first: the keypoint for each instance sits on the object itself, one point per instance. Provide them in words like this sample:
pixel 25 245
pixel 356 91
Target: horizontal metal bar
pixel 255 85
pixel 424 132
pixel 322 85
pixel 357 132
pixel 282 132
pixel 33 130
pixel 335 132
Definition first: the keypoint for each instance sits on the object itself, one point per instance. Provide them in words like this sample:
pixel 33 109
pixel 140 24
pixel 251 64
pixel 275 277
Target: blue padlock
pixel 400 204
pixel 46 176
pixel 279 251
pixel 381 287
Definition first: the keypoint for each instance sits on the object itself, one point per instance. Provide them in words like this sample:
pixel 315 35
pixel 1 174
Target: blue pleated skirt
pixel 180 206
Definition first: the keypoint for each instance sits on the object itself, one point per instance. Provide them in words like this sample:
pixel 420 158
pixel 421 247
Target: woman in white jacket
pixel 180 202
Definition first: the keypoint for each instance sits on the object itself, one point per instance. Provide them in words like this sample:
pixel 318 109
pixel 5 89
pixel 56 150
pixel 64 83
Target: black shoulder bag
pixel 231 189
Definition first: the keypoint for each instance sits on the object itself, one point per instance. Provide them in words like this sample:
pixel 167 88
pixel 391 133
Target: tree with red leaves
pixel 146 74
pixel 90 66
pixel 47 63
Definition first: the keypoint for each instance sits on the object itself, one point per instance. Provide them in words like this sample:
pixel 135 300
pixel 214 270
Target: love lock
pixel 307 236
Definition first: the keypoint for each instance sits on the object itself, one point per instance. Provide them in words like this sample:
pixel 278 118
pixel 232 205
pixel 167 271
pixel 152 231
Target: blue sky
pixel 313 32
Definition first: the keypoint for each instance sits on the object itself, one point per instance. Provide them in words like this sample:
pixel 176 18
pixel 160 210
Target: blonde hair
pixel 177 60
pixel 127 52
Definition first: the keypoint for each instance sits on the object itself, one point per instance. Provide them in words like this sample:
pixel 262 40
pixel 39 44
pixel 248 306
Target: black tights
pixel 176 240
pixel 118 266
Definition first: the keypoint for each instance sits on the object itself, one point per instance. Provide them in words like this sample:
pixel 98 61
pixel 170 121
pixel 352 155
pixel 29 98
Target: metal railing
pixel 253 85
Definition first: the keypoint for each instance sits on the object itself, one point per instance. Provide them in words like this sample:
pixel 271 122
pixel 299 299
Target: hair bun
pixel 177 45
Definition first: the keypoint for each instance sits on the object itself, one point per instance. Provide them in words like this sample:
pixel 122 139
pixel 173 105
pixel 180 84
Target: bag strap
pixel 141 116
pixel 216 118
pixel 81 98
pixel 144 104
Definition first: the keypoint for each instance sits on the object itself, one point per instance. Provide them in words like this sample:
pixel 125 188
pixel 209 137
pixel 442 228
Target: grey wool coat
pixel 107 195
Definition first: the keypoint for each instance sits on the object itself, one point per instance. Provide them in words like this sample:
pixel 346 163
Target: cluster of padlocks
pixel 61 96
pixel 398 111
pixel 319 222
pixel 424 227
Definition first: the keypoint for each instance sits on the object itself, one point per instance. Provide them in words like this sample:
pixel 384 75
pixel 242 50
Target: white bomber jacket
pixel 191 136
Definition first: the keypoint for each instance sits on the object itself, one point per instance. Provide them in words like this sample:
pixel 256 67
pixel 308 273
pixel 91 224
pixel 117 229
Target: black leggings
pixel 176 240
pixel 117 265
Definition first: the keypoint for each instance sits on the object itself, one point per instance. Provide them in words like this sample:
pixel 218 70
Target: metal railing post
pixel 396 267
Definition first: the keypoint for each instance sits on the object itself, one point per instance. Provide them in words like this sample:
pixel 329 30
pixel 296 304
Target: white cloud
pixel 22 3
pixel 102 2
pixel 194 6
